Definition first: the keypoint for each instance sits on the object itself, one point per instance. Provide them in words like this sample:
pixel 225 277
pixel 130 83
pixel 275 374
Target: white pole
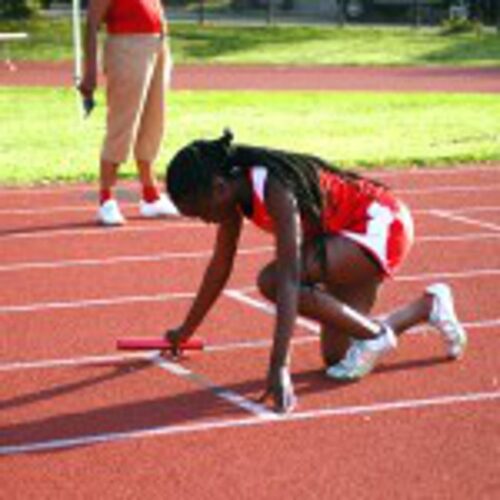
pixel 77 42
pixel 77 53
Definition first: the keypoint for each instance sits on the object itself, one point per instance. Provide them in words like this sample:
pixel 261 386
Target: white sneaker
pixel 444 318
pixel 159 208
pixel 362 355
pixel 109 214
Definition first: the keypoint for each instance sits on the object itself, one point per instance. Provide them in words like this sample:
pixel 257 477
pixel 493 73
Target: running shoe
pixel 443 317
pixel 362 355
pixel 159 208
pixel 109 214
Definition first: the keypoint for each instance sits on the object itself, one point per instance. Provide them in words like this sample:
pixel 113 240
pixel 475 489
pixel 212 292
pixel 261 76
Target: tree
pixel 16 9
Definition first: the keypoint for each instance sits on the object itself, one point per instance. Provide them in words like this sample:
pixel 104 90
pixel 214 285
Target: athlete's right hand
pixel 176 336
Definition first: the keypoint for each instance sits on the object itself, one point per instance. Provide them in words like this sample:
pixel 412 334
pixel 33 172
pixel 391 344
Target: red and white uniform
pixel 361 211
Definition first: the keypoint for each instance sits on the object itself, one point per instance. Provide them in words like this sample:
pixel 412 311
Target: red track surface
pixel 418 427
pixel 255 77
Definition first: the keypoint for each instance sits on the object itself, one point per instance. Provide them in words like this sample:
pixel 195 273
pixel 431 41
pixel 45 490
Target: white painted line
pixel 122 259
pixel 214 348
pixel 449 189
pixel 74 362
pixel 474 273
pixel 239 294
pixel 89 230
pixel 38 211
pixel 466 220
pixel 457 238
pixel 269 308
pixel 126 299
pixel 342 411
pixel 260 411
pixel 431 172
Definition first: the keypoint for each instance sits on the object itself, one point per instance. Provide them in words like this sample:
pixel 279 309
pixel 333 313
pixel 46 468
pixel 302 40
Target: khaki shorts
pixel 137 69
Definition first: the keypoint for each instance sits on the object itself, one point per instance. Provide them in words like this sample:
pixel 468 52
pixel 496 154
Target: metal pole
pixel 201 12
pixel 77 42
pixel 341 12
pixel 418 18
pixel 270 11
pixel 497 16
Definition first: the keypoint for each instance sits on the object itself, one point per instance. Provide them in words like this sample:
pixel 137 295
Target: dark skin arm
pixel 215 278
pixel 96 14
pixel 282 207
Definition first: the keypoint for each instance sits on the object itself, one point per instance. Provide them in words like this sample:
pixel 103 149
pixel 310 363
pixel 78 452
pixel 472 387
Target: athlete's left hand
pixel 280 389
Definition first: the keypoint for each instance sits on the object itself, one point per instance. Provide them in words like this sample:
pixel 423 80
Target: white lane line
pixel 448 189
pixel 76 362
pixel 445 214
pixel 431 171
pixel 260 411
pixel 121 259
pixel 268 308
pixel 473 273
pixel 331 412
pixel 124 299
pixel 43 364
pixel 312 326
pixel 88 230
pixel 133 299
pixel 86 208
pixel 457 238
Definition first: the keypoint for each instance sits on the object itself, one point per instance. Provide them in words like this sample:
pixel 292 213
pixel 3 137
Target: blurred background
pixel 427 12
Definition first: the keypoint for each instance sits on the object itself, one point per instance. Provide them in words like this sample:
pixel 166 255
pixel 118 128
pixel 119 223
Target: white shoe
pixel 159 208
pixel 362 355
pixel 444 318
pixel 109 214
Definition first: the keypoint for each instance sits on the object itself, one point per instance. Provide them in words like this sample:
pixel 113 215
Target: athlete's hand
pixel 176 336
pixel 280 389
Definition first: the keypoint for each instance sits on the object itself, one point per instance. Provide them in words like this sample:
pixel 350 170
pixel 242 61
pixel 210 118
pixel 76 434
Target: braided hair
pixel 192 169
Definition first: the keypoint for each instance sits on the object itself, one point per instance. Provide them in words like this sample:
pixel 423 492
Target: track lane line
pixel 445 401
pixel 445 214
pixel 164 256
pixel 256 409
pixel 97 360
pixel 122 259
pixel 132 299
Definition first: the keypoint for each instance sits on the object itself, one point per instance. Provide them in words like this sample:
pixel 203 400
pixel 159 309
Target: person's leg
pixel 334 342
pixel 150 135
pixel 344 266
pixel 126 71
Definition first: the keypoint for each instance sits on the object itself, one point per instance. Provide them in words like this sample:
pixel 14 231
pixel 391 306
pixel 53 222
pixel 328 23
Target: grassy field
pixel 353 129
pixel 285 44
pixel 43 138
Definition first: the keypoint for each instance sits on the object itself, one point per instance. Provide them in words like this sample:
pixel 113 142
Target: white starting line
pixel 298 416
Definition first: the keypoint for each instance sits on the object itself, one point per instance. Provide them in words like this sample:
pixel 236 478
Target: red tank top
pixel 126 17
pixel 345 203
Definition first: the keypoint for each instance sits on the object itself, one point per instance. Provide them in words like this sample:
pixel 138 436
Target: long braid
pixel 191 171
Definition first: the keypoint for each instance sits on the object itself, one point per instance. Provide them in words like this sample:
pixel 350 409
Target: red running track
pixel 275 77
pixel 80 420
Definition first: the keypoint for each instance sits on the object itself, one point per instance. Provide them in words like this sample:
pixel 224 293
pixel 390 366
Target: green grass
pixel 284 44
pixel 43 139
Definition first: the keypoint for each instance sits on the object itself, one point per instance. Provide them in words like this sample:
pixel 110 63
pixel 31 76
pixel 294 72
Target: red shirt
pixel 134 17
pixel 345 203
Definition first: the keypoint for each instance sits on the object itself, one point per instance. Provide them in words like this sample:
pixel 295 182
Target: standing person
pixel 337 236
pixel 137 67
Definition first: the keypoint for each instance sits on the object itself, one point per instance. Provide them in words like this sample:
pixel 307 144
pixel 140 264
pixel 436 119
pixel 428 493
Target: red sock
pixel 150 194
pixel 104 195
